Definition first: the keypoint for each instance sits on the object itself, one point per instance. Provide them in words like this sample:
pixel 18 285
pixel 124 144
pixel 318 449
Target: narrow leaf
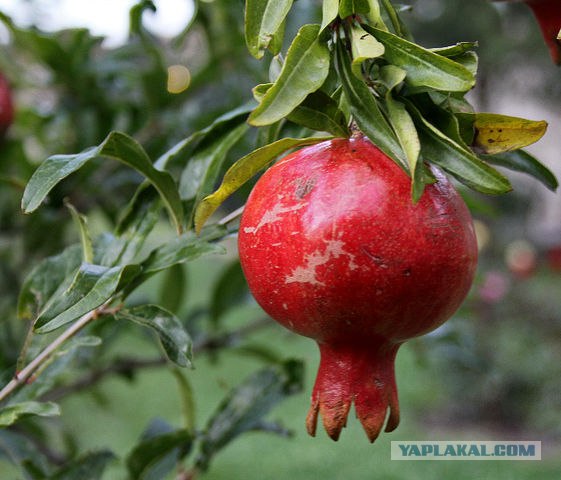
pixel 329 12
pixel 317 112
pixel 173 337
pixel 200 175
pixel 455 50
pixel 496 133
pixel 305 69
pixel 174 288
pixel 366 112
pixel 522 161
pixel 44 280
pixel 184 248
pixel 145 455
pixel 245 168
pixel 463 165
pixel 405 130
pixel 12 413
pixel 181 153
pixel 424 68
pixel 92 286
pixel 85 238
pixel 263 19
pixel 245 407
pixel 186 396
pixel 88 467
pixel 229 291
pixel 141 216
pixel 364 46
pixel 118 146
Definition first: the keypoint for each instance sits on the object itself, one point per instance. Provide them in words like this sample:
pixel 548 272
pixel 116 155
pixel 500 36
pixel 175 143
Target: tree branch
pixel 24 375
pixel 128 366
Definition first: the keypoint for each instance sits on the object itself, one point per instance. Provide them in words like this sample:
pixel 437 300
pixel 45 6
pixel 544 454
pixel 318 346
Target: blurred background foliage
pixel 494 371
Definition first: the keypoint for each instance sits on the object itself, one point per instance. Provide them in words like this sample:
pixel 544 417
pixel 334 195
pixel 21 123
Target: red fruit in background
pixel 334 249
pixel 548 15
pixel 6 106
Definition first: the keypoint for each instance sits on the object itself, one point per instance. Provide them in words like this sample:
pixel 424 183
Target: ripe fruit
pixel 548 15
pixel 334 249
pixel 6 106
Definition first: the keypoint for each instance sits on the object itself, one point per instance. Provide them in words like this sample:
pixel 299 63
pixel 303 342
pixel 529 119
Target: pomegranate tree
pixel 333 248
pixel 6 106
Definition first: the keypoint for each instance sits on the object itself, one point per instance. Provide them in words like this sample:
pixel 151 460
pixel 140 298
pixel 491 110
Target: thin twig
pixel 126 366
pixel 24 375
pixel 231 216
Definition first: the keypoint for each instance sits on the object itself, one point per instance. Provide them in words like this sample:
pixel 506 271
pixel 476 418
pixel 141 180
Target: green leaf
pixel 317 112
pixel 522 161
pixel 187 399
pixel 174 288
pixel 174 339
pixel 118 146
pixel 90 288
pixel 263 19
pixel 397 24
pixel 142 459
pixel 12 413
pixel 496 133
pixel 424 68
pixel 204 168
pixel 364 46
pixel 305 69
pixel 366 112
pixel 85 239
pixel 320 112
pixel 229 291
pixel 245 168
pixel 179 250
pixel 244 408
pixel 441 150
pixel 88 467
pixel 329 12
pixel 43 281
pixel 455 50
pixel 349 7
pixel 140 218
pixel 181 153
pixel 373 15
pixel 405 130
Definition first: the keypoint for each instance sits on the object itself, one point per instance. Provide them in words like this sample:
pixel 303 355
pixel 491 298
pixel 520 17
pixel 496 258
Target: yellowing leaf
pixel 245 168
pixel 364 46
pixel 496 133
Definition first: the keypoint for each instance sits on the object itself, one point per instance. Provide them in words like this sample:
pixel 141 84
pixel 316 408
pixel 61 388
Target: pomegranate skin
pixel 334 249
pixel 6 106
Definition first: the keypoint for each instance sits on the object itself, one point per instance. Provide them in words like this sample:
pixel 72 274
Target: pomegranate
pixel 6 106
pixel 334 249
pixel 548 15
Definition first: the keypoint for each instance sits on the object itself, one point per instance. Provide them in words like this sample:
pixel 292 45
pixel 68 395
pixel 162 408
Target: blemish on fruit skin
pixel 307 272
pixel 273 215
pixel 304 186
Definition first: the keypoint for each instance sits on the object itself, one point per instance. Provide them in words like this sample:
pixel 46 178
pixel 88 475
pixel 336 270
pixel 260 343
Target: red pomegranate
pixel 334 249
pixel 6 106
pixel 548 15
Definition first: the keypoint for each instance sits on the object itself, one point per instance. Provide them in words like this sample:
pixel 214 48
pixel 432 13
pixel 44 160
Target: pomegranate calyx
pixel 363 375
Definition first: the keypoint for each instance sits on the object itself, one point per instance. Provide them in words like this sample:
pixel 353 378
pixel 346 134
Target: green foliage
pixel 93 247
